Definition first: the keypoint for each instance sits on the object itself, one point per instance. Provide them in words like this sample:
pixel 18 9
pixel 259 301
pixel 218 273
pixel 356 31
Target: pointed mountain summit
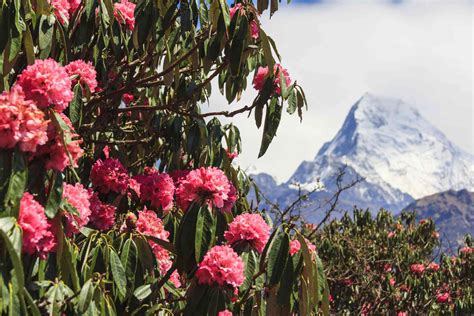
pixel 399 153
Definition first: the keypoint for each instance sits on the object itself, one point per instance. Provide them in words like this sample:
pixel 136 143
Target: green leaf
pixel 292 103
pixel 33 308
pixel 309 273
pixel 118 273
pixel 237 46
pixel 45 39
pixel 142 292
pixel 286 284
pixel 85 296
pixel 75 107
pixel 54 200
pixel 267 51
pixel 17 183
pixel 204 233
pixel 250 261
pixel 283 87
pixel 277 257
pixel 272 121
pixel 128 257
pixel 28 46
pixel 225 12
pixel 12 240
pixel 185 238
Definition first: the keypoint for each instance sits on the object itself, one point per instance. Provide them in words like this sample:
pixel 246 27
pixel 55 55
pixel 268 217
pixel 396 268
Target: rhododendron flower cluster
pixel 102 214
pixel 47 84
pixel 109 176
pixel 78 197
pixel 263 73
pixel 433 266
pixel 124 12
pixel 443 297
pixel 206 184
pixel 466 250
pixel 56 155
pixel 224 313
pixel 221 266
pixel 85 73
pixel 254 27
pixel 417 268
pixel 149 224
pixel 158 189
pixel 21 122
pixel 61 10
pixel 249 228
pixel 295 246
pixel 37 235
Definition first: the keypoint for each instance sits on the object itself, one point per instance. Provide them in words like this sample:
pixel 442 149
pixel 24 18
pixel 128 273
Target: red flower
pixel 158 189
pixel 102 215
pixel 417 268
pixel 109 175
pixel 443 297
pixel 433 266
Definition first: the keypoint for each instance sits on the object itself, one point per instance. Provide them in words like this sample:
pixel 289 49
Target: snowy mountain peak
pixel 389 143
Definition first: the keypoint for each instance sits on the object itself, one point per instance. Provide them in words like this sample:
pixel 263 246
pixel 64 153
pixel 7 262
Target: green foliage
pixel 368 265
pixel 168 63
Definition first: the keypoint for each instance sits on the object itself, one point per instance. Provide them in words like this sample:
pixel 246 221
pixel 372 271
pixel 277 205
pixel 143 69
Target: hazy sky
pixel 419 51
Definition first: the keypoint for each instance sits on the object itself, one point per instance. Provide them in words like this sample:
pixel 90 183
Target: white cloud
pixel 420 51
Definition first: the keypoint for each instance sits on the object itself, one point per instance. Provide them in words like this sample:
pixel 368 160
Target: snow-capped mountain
pixel 400 154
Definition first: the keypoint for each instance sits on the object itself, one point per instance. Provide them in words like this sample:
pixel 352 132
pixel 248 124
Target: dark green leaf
pixel 17 183
pixel 272 121
pixel 85 296
pixel 277 257
pixel 118 273
pixel 55 196
pixel 75 107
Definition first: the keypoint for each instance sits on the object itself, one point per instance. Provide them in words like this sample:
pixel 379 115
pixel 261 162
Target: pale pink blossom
pixel 209 185
pixel 124 12
pixel 38 238
pixel 109 176
pixel 47 84
pixel 221 266
pixel 248 228
pixel 225 312
pixel 85 72
pixel 78 197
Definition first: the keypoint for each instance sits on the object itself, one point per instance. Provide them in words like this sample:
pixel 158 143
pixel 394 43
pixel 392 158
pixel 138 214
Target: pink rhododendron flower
pixel 417 268
pixel 149 224
pixel 38 238
pixel 391 234
pixel 231 199
pixel 61 10
pixel 466 250
pixel 433 266
pixel 225 312
pixel 435 235
pixel 392 281
pixel 387 268
pixel 234 9
pixel 221 266
pixel 295 246
pixel 423 221
pixel 260 77
pixel 102 215
pixel 443 297
pixel 262 74
pixel 46 83
pixel 21 122
pixel 204 184
pixel 54 152
pixel 158 189
pixel 250 228
pixel 109 176
pixel 254 29
pixel 124 12
pixel 74 5
pixel 402 314
pixel 178 176
pixel 77 196
pixel 85 72
pixel 232 155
